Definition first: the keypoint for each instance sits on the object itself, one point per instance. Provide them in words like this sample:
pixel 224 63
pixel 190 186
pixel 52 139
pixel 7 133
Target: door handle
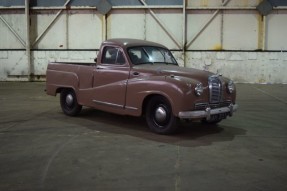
pixel 136 73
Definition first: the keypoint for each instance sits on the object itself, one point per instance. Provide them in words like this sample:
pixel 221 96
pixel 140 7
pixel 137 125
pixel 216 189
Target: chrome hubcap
pixel 69 99
pixel 160 114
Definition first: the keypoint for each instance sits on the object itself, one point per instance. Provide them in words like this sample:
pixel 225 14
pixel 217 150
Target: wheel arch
pixel 60 89
pixel 69 105
pixel 150 96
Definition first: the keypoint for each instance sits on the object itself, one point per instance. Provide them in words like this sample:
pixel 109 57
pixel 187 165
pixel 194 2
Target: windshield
pixel 150 55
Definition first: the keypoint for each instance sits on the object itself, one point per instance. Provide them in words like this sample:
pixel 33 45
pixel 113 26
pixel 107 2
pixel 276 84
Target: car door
pixel 110 79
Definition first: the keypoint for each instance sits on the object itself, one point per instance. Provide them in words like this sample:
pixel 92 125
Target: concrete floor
pixel 42 149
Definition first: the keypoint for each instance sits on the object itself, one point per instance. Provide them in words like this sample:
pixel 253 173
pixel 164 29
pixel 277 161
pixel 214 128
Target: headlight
pixel 198 89
pixel 230 87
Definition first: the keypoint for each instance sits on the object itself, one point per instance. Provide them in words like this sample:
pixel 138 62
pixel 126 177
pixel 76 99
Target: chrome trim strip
pixel 207 112
pixel 131 108
pixel 108 104
pixel 114 105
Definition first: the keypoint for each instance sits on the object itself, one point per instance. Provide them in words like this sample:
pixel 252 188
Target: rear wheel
pixel 159 116
pixel 69 103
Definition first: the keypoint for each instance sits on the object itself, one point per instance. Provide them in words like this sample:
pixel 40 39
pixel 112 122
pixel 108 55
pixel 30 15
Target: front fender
pixel 178 90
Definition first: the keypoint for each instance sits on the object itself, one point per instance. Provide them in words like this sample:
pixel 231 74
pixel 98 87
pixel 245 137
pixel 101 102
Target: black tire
pixel 211 122
pixel 159 116
pixel 69 103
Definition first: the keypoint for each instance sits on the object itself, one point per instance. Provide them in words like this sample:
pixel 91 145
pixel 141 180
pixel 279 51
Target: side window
pixel 135 55
pixel 113 55
pixel 120 58
pixel 138 55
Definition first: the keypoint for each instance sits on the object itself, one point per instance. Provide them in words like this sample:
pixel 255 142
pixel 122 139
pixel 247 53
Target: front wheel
pixel 69 103
pixel 159 116
pixel 213 121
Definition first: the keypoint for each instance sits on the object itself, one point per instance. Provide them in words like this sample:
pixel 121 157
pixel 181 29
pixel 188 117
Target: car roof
pixel 128 42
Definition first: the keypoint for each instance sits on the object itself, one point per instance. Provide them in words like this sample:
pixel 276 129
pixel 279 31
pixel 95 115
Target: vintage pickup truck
pixel 142 78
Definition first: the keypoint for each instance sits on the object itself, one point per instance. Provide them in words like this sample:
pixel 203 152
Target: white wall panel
pixel 55 38
pixel 242 67
pixel 240 30
pixel 277 31
pixel 126 24
pixel 178 55
pixel 42 58
pixel 209 39
pixel 72 30
pixel 84 30
pixel 142 25
pixel 13 65
pixel 173 21
pixel 7 39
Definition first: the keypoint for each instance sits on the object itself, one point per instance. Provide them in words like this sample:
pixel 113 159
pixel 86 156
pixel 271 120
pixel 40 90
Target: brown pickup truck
pixel 141 78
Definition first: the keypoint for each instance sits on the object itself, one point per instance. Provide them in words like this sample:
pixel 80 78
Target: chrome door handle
pixel 136 73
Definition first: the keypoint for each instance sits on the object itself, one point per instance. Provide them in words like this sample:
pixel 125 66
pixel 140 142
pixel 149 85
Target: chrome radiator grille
pixel 215 89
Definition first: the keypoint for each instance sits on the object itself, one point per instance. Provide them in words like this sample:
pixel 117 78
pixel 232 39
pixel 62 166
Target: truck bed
pixel 68 75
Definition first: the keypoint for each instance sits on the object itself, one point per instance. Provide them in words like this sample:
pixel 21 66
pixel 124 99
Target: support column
pixel 28 46
pixel 264 34
pixel 104 27
pixel 261 32
pixel 184 32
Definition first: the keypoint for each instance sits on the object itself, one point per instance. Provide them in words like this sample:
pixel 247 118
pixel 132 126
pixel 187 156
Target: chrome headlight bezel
pixel 198 89
pixel 230 87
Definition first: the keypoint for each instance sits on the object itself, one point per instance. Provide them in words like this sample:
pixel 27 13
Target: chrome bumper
pixel 208 112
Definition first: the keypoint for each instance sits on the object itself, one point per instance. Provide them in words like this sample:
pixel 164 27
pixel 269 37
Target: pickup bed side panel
pixel 60 79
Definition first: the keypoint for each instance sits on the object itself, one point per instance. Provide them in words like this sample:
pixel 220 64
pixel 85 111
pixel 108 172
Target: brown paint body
pixel 124 89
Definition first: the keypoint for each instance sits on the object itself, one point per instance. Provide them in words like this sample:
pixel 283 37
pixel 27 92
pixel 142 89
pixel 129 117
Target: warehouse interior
pixel 42 149
pixel 219 36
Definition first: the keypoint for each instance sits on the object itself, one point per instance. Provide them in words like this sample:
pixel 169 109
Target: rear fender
pixel 57 80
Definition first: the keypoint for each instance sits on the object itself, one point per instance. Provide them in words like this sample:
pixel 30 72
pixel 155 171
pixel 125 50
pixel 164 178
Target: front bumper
pixel 208 112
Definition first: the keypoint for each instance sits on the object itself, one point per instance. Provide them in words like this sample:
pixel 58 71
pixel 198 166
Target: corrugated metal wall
pixel 230 37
